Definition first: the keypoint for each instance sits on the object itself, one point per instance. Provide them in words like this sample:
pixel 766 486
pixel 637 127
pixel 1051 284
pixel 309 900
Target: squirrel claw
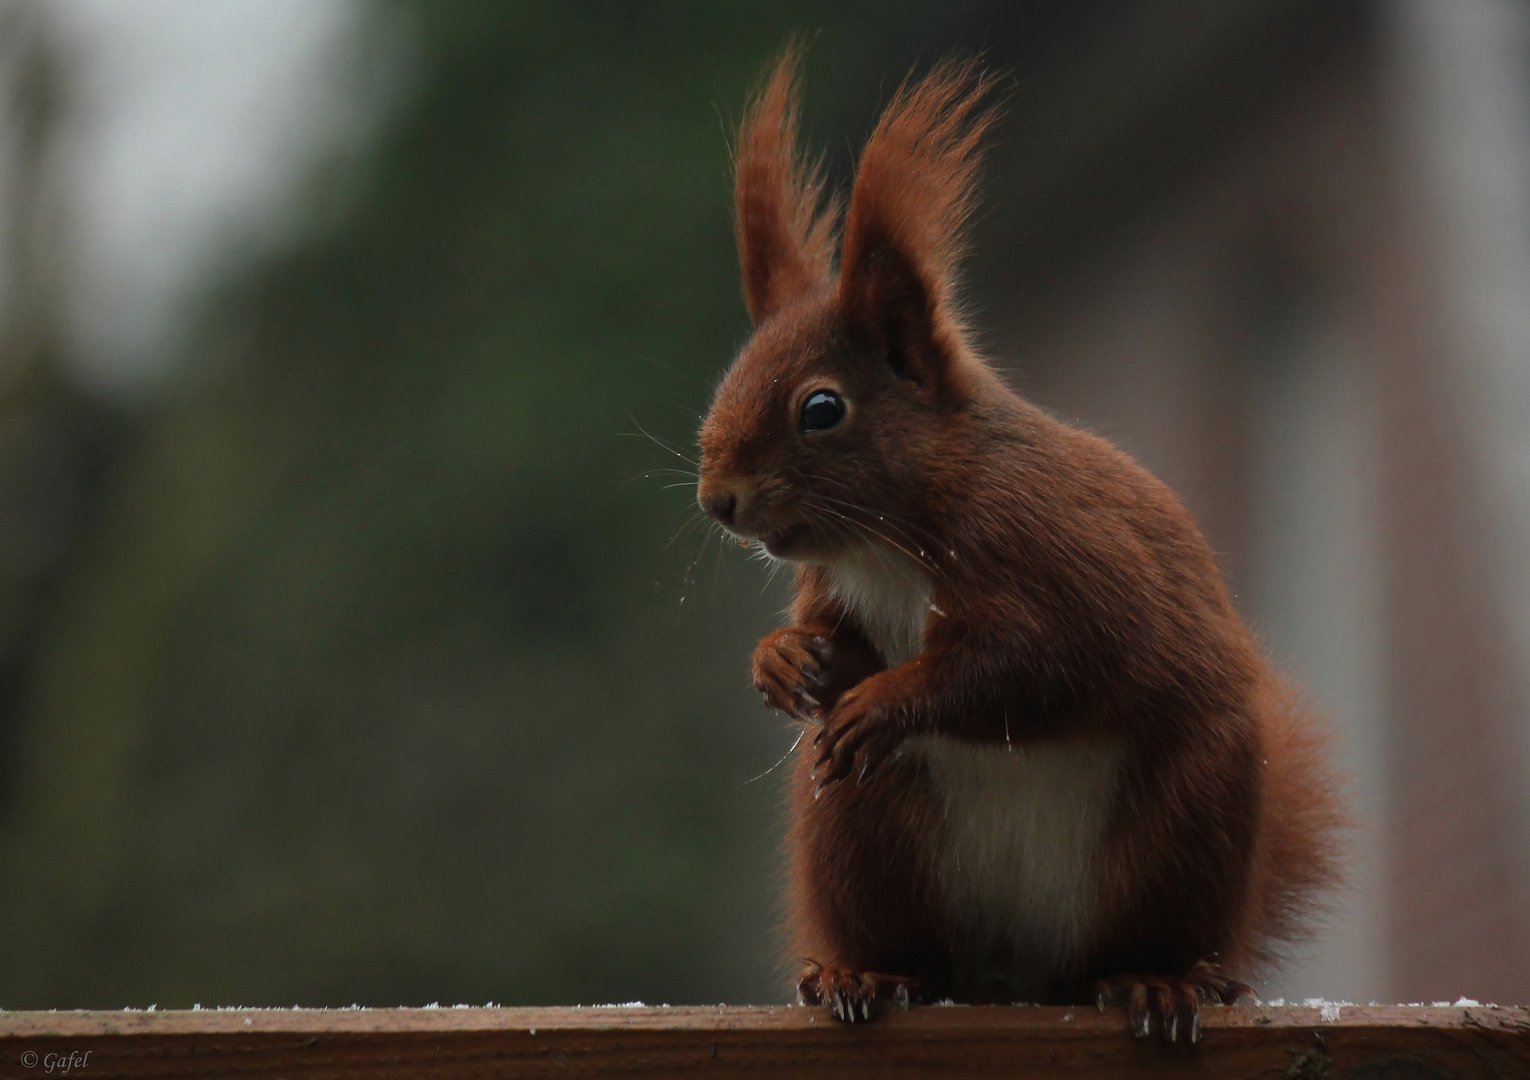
pixel 804 674
pixel 853 997
pixel 858 741
pixel 1171 1003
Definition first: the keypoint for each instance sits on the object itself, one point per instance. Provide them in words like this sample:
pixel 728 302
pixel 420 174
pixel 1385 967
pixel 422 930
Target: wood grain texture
pixel 1264 1042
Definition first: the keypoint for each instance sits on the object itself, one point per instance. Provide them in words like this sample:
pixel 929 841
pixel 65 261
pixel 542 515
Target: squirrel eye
pixel 822 411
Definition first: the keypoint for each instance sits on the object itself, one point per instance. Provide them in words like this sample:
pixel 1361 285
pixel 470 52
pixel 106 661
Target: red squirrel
pixel 1049 762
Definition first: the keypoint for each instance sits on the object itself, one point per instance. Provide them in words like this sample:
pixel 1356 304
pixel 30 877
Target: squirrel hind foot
pixel 1172 1004
pixel 854 996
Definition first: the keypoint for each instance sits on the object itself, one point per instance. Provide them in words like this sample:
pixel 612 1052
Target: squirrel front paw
pixel 803 671
pixel 789 666
pixel 859 736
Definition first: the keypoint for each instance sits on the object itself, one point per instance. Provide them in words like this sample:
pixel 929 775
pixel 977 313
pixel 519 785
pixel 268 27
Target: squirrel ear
pixel 785 242
pixel 903 233
pixel 890 306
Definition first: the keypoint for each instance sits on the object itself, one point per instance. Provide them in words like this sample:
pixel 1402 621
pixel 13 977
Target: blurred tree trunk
pixel 54 441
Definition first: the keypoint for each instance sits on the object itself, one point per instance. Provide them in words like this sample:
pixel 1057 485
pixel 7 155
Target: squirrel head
pixel 835 408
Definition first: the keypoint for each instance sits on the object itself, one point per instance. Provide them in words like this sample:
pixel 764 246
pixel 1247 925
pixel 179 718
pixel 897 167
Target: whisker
pixel 717 563
pixel 690 376
pixel 688 580
pixel 696 515
pixel 917 535
pixel 919 558
pixel 773 565
pixel 930 537
pixel 784 758
pixel 645 433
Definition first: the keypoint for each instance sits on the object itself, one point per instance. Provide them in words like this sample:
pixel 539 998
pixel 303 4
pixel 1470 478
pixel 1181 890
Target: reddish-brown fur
pixel 1072 603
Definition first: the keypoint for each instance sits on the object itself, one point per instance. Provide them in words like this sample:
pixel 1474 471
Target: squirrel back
pixel 1048 756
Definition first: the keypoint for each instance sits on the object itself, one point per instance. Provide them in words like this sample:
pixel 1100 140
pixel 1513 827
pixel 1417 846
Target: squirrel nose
pixel 721 505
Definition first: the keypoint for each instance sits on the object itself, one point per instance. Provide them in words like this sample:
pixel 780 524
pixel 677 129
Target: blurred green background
pixel 364 661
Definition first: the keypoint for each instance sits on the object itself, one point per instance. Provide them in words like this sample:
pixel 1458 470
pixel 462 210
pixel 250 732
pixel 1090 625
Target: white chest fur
pixel 1017 863
pixel 889 596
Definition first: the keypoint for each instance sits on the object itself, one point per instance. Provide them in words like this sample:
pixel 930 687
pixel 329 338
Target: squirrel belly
pixel 1018 858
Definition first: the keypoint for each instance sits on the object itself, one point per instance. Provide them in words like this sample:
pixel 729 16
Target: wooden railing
pixel 1255 1041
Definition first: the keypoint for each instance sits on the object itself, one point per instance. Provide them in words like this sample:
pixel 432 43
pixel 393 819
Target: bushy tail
pixel 1303 830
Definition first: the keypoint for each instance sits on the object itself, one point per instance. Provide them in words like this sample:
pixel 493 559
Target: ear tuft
pixel 913 194
pixel 784 230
